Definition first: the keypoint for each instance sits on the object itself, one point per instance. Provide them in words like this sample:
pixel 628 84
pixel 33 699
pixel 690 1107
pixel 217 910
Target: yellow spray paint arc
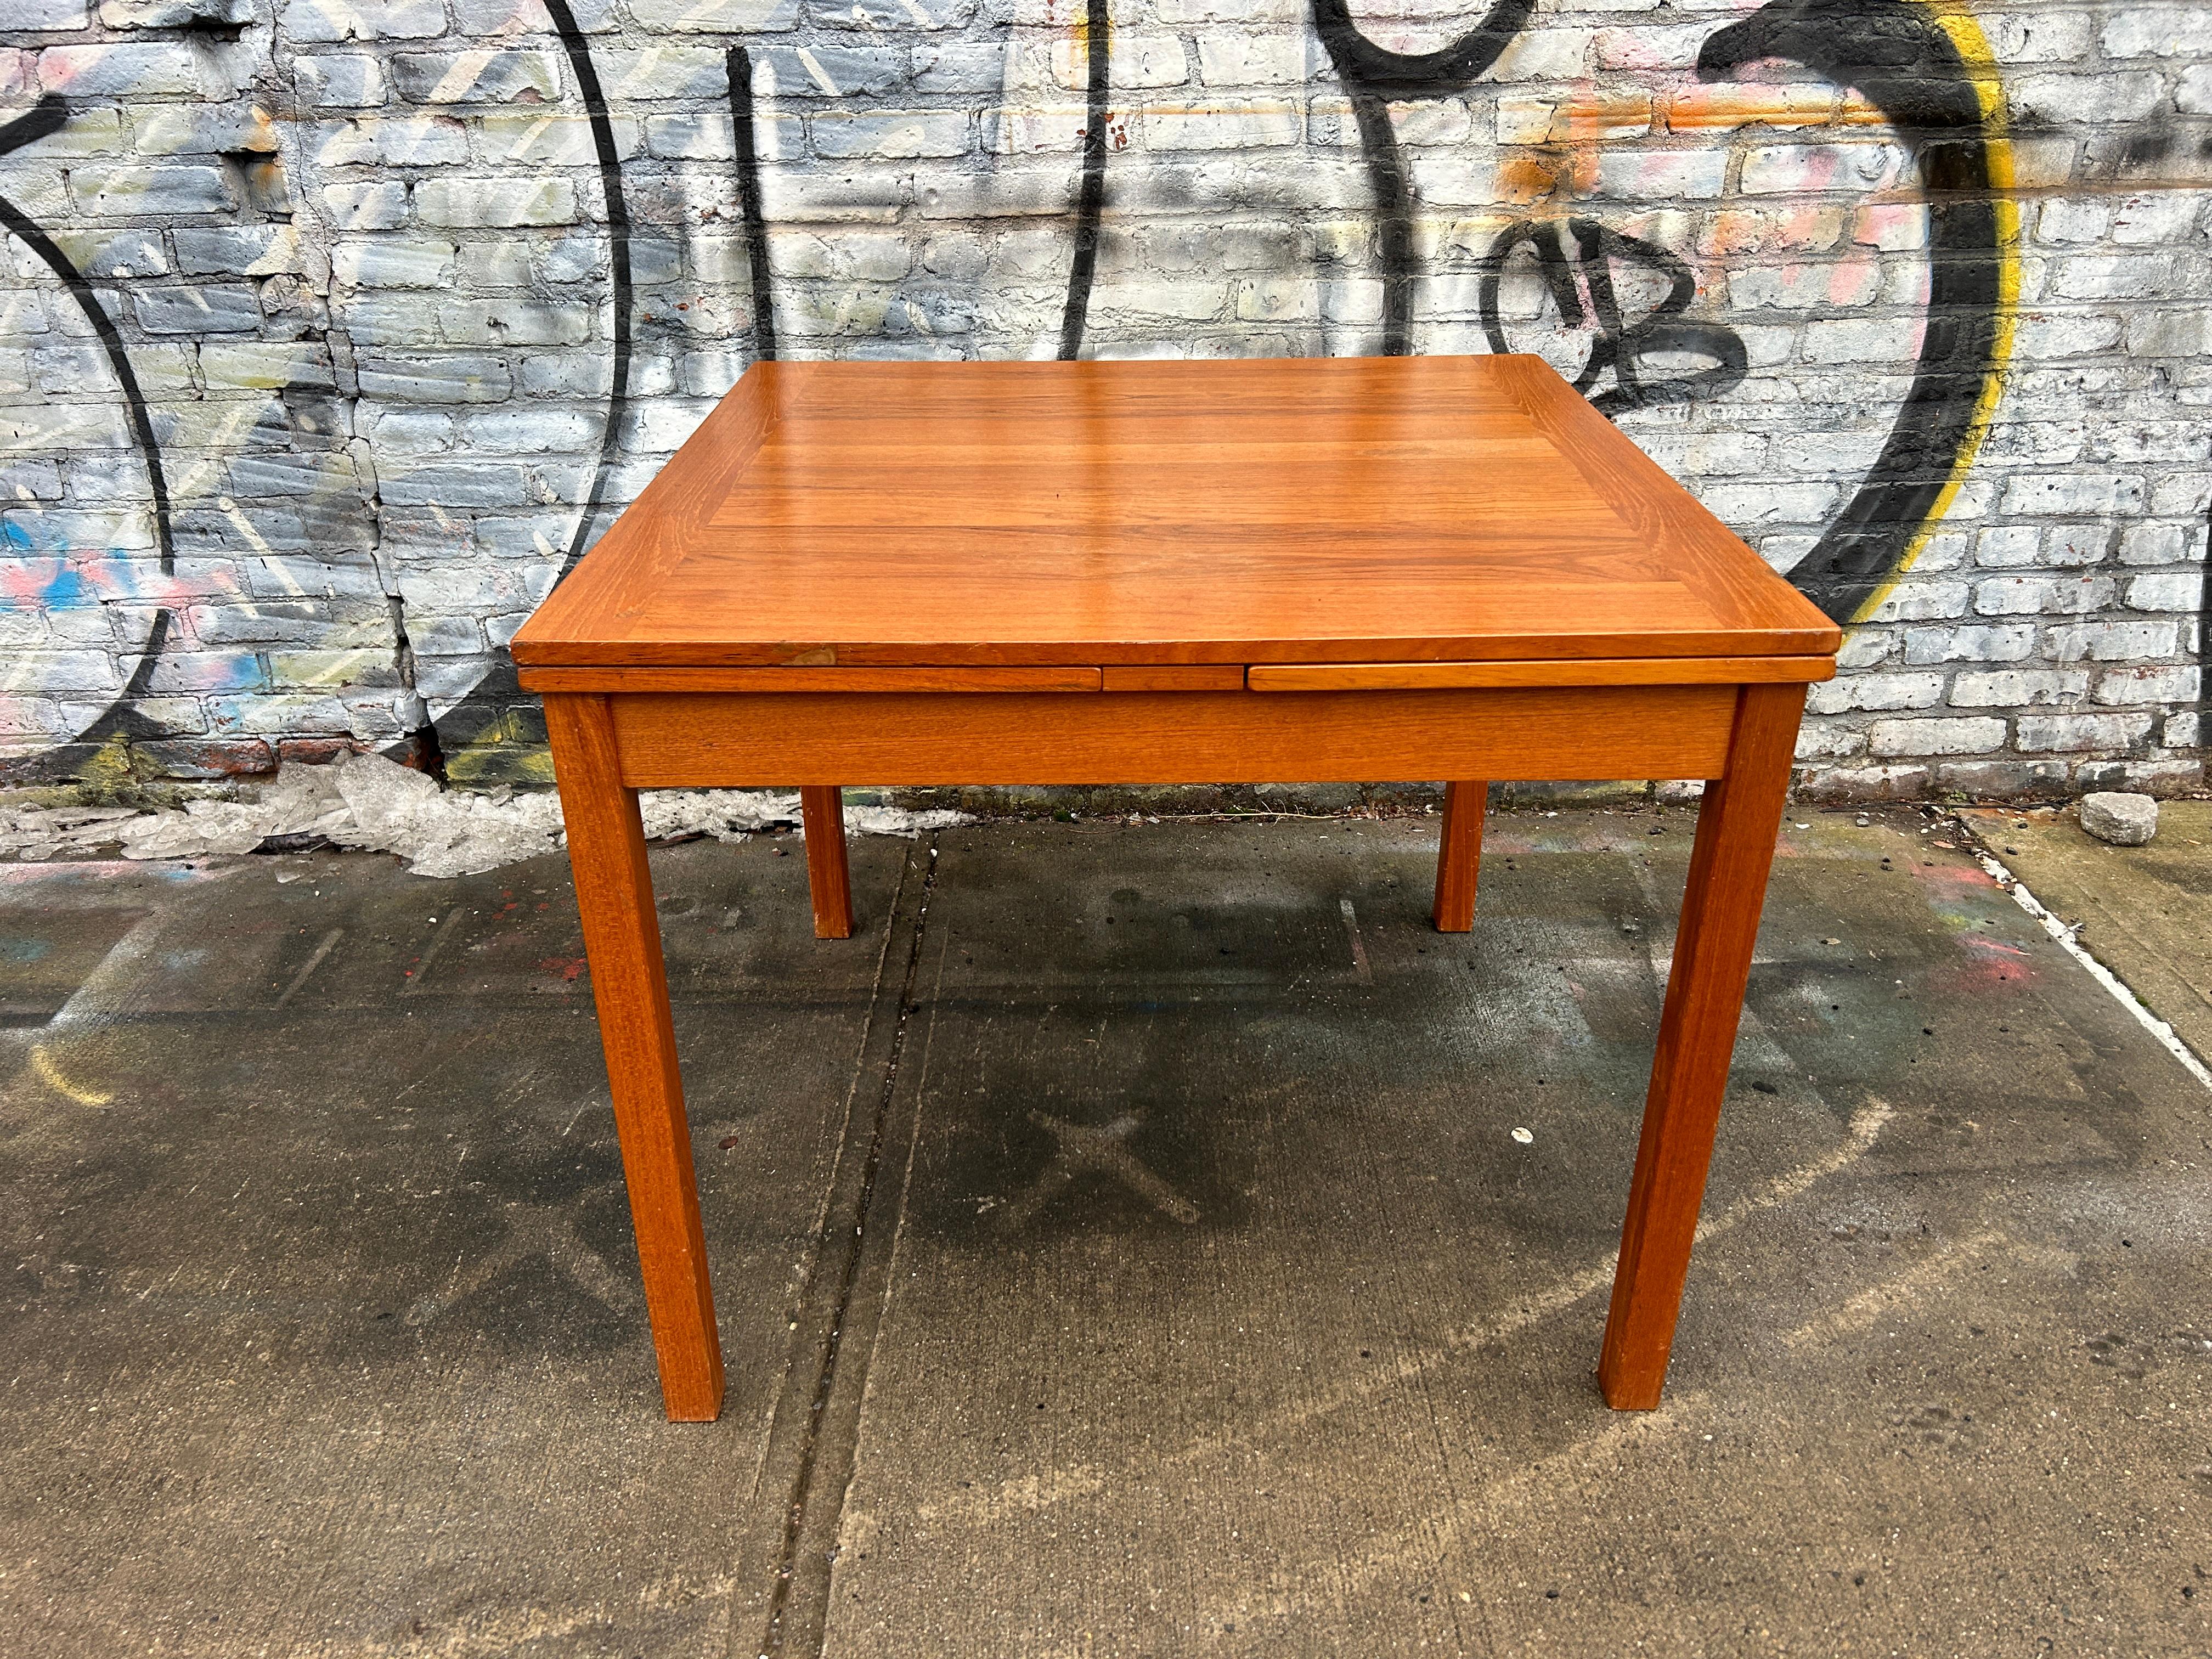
pixel 43 1064
pixel 1974 51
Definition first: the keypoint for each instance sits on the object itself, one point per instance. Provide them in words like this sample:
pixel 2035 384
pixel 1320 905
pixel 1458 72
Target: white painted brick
pixel 716 16
pixel 1971 735
pixel 392 262
pixel 1669 174
pixel 2158 31
pixel 466 203
pixel 2011 546
pixel 2124 96
pixel 534 430
pixel 2174 591
pixel 2139 685
pixel 1876 692
pixel 381 205
pixel 1753 505
pixel 1278 299
pixel 2101 493
pixel 1874 340
pixel 2036 37
pixel 2160 544
pixel 2066 224
pixel 2179 495
pixel 339 81
pixel 1435 121
pixel 1919 601
pixel 1222 124
pixel 1819 739
pixel 2021 688
pixel 974 68
pixel 1806 284
pixel 2042 336
pixel 1355 302
pixel 2153 218
pixel 2076 545
pixel 486 75
pixel 158 192
pixel 363 20
pixel 545 140
pixel 521 322
pixel 1647 46
pixel 892 134
pixel 1801 169
pixel 1240 222
pixel 1192 302
pixel 1139 60
pixel 107 71
pixel 2018 596
pixel 2045 733
pixel 2110 642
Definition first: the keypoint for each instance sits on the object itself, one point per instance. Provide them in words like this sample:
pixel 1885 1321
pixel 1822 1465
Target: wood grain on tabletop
pixel 1286 510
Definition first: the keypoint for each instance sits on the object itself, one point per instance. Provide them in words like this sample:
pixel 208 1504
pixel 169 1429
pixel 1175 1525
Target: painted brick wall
pixel 330 330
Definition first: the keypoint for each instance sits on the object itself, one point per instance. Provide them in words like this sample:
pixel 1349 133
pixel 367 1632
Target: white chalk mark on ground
pixel 1360 968
pixel 1533 1486
pixel 1538 1484
pixel 1080 1149
pixel 107 993
pixel 534 1229
pixel 415 980
pixel 1908 1290
pixel 981 1507
pixel 330 941
pixel 2063 936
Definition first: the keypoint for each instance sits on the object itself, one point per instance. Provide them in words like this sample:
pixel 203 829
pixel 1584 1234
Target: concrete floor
pixel 2144 912
pixel 1122 1247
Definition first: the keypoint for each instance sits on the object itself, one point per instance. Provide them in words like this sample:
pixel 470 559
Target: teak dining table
pixel 1293 570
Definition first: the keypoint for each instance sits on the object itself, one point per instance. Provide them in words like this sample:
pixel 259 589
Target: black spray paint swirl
pixel 48 116
pixel 497 708
pixel 1372 77
pixel 603 140
pixel 1090 200
pixel 1896 55
pixel 1619 345
pixel 750 208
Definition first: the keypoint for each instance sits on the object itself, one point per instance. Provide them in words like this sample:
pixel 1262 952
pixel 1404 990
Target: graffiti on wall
pixel 1616 297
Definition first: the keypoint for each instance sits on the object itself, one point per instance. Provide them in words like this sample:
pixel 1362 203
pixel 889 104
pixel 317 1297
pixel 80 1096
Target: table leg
pixel 1460 857
pixel 621 935
pixel 822 810
pixel 1736 830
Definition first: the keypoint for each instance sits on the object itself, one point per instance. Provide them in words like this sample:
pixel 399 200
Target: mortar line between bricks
pixel 846 1230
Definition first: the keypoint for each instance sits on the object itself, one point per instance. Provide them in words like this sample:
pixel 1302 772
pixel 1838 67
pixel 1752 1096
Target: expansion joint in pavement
pixel 784 1570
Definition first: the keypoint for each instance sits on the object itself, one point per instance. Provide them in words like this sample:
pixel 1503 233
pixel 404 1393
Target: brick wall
pixel 312 380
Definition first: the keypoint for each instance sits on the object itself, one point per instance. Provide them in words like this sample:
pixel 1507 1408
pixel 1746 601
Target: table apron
pixel 707 740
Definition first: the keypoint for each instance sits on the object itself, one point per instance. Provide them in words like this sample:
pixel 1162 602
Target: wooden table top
pixel 1289 510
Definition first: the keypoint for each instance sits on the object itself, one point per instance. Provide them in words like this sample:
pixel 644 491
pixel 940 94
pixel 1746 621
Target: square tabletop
pixel 1407 510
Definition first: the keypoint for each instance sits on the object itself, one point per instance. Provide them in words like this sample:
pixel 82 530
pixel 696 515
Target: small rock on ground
pixel 2124 820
